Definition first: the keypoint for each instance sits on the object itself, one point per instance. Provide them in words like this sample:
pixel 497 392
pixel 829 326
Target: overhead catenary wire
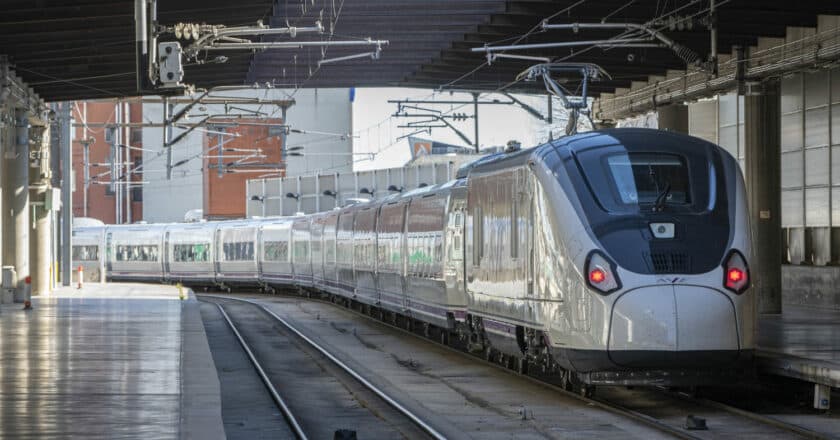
pixel 621 35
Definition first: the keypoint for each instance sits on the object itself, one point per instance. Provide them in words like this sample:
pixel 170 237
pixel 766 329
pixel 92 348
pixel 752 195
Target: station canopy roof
pixel 80 49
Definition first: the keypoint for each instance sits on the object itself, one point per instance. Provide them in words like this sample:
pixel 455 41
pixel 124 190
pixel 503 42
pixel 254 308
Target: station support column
pixel 41 192
pixel 65 142
pixel 18 168
pixel 762 129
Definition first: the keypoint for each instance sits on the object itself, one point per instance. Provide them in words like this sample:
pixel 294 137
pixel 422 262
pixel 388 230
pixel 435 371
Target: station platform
pixel 108 361
pixel 802 343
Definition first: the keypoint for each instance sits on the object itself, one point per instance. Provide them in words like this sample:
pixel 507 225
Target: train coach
pixel 610 257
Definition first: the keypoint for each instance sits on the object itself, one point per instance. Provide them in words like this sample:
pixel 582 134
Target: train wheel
pixel 522 365
pixel 565 380
pixel 587 390
pixel 488 354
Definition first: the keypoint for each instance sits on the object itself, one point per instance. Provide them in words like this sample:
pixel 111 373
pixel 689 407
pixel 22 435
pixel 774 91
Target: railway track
pixel 764 419
pixel 738 421
pixel 312 428
pixel 284 409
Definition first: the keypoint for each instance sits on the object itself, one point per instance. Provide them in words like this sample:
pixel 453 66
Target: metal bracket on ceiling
pixel 636 36
pixel 207 37
pixel 659 39
pixel 578 105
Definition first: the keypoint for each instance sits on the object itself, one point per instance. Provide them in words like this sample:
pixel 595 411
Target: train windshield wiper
pixel 659 204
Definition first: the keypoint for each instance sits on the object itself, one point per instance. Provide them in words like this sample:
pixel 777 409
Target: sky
pixel 376 131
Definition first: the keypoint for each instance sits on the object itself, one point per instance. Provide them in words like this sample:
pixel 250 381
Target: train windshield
pixel 648 178
pixel 625 181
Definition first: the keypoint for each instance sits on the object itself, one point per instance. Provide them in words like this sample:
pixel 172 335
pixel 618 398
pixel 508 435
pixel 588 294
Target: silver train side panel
pixel 88 253
pixel 236 261
pixel 189 253
pixel 391 255
pixel 364 253
pixel 134 252
pixel 499 256
pixel 301 251
pixel 275 252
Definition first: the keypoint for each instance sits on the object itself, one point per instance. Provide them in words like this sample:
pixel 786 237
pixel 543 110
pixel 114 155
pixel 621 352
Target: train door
pixel 217 261
pixel 166 257
pixel 404 263
pixel 258 250
pixel 109 257
pixel 376 228
pixel 455 269
pixel 100 252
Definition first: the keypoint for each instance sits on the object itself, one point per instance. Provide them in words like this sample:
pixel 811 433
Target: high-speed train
pixel 618 256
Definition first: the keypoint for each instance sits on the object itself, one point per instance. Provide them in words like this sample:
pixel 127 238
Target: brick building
pixel 253 147
pixel 102 192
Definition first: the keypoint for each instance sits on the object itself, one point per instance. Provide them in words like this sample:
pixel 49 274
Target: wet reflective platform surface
pixel 803 343
pixel 103 362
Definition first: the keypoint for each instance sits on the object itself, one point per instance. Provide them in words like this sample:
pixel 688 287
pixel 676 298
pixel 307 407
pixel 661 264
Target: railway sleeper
pixel 470 336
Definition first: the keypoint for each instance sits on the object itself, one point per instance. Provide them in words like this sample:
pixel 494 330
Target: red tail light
pixel 736 273
pixel 601 273
pixel 597 276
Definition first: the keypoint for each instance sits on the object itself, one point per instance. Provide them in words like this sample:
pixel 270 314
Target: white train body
pixel 88 249
pixel 607 254
pixel 189 254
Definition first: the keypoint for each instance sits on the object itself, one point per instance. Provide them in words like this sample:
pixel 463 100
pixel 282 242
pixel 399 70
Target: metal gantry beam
pixel 438 116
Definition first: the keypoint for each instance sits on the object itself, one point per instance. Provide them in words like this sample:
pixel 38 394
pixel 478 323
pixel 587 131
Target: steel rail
pixel 347 369
pixel 606 404
pixel 615 407
pixel 281 404
pixel 767 420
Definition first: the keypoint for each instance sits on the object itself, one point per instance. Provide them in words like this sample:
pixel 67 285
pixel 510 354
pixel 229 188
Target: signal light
pixel 597 276
pixel 736 274
pixel 601 273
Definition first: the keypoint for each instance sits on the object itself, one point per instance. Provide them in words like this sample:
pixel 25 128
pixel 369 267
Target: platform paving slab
pixel 803 343
pixel 107 361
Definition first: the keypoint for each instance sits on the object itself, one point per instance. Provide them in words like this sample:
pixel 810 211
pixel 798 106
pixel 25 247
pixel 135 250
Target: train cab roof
pixel 631 137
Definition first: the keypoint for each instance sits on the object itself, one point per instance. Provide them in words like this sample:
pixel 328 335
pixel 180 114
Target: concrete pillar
pixel 41 246
pixel 19 209
pixel 40 192
pixel 673 117
pixel 65 141
pixel 762 129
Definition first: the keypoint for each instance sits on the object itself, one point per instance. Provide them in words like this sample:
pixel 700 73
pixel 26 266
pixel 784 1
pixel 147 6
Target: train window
pixel 85 252
pixel 276 251
pixel 649 178
pixel 137 253
pixel 300 251
pixel 197 252
pixel 316 246
pixel 238 251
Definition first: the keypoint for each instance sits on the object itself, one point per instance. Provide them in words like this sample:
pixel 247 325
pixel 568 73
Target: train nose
pixel 673 325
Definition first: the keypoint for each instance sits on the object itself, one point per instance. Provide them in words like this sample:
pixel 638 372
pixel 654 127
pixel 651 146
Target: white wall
pixel 322 110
